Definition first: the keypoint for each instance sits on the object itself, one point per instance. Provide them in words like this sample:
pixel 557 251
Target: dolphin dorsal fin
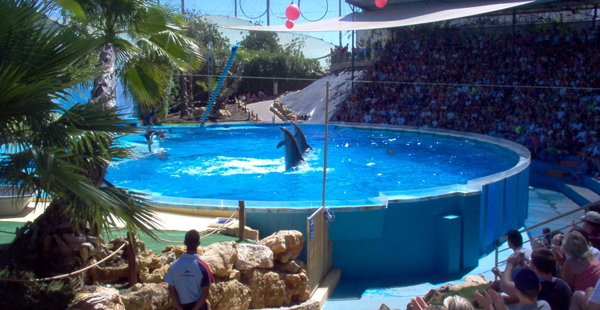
pixel 280 144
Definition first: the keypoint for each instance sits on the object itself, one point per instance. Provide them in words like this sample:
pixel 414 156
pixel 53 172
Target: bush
pixel 33 295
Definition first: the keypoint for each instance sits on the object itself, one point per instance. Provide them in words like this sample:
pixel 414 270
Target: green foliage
pixel 33 295
pixel 197 30
pixel 289 70
pixel 148 41
pixel 57 151
pixel 264 41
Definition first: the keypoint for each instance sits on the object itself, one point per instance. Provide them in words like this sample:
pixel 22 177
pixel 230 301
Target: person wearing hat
pixel 527 287
pixel 591 224
pixel 189 277
pixel 554 291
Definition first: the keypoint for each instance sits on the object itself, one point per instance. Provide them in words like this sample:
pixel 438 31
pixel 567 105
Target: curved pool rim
pixel 221 206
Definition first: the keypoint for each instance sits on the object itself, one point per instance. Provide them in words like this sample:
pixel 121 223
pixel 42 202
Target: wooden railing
pixel 318 249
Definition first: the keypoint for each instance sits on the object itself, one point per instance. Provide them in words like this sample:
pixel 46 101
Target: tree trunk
pixel 190 95
pixel 221 100
pixel 105 86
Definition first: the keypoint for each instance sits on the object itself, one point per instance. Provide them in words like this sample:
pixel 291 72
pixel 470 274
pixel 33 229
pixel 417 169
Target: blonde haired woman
pixel 454 302
pixel 581 269
pixel 457 303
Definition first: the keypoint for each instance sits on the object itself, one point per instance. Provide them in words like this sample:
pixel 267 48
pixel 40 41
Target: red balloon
pixel 289 24
pixel 380 3
pixel 292 12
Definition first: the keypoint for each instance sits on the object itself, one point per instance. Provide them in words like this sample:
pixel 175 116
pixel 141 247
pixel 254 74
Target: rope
pixel 214 230
pixel 8 232
pixel 68 274
pixel 259 16
pixel 318 19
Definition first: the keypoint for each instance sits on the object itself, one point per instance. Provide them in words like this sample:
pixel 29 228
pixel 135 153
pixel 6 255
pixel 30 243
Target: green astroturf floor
pixel 151 244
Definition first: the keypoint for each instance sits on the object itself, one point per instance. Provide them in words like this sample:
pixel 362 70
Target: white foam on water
pixel 221 165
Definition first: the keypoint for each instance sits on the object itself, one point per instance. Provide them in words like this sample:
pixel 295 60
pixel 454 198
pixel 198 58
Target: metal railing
pixel 584 208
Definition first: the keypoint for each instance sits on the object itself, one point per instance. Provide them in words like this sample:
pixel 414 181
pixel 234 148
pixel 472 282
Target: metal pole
pixel 595 15
pixel 352 54
pixel 242 221
pixel 268 15
pixel 182 7
pixel 340 2
pixel 326 132
pixel 496 260
pixel 512 51
pixel 235 8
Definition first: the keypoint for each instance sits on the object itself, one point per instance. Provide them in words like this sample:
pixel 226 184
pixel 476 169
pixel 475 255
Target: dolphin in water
pixel 293 157
pixel 301 139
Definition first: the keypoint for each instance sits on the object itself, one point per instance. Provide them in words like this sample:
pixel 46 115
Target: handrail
pixel 586 207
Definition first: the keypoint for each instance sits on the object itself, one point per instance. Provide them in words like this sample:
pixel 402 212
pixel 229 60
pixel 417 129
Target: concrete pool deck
pixel 169 220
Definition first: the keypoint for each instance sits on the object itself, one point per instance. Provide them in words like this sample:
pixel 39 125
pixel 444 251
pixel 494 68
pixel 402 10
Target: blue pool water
pixel 243 162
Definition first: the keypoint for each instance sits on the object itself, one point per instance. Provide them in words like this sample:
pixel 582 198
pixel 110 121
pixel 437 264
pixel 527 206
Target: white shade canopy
pixel 393 18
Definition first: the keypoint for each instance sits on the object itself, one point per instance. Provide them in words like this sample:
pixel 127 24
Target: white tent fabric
pixel 393 18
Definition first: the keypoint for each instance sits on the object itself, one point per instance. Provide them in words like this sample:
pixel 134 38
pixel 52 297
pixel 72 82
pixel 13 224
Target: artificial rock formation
pixel 248 276
pixel 285 244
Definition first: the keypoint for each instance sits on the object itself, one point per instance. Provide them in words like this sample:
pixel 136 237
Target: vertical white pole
pixel 326 133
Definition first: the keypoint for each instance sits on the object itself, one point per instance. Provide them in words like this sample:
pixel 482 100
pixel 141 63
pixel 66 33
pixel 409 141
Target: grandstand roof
pixel 539 5
pixel 314 48
pixel 398 13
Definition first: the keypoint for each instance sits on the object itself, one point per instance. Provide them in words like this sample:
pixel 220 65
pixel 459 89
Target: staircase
pixel 582 190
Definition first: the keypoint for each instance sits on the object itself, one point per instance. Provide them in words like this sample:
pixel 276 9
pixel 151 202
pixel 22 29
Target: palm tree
pixel 140 44
pixel 61 152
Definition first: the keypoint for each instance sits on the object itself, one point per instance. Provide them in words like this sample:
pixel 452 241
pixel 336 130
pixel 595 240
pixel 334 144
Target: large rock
pixel 252 256
pixel 234 231
pixel 221 257
pixel 138 300
pixel 296 288
pixel 147 297
pixel 229 295
pixel 267 288
pixel 101 275
pixel 177 249
pixel 292 266
pixel 223 114
pixel 160 295
pixel 100 299
pixel 285 244
pixel 148 259
pixel 470 280
pixel 156 276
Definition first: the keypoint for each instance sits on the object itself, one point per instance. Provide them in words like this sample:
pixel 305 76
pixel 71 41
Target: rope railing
pixel 8 232
pixel 68 274
pixel 213 230
pixel 564 227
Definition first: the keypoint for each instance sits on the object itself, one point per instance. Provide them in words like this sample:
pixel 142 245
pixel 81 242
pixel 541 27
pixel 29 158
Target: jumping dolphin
pixel 293 158
pixel 301 139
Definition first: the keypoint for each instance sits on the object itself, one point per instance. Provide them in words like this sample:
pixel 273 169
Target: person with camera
pixel 554 291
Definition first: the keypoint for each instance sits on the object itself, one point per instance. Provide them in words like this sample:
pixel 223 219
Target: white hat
pixel 592 216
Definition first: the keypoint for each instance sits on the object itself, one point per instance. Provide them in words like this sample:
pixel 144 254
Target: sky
pixel 252 9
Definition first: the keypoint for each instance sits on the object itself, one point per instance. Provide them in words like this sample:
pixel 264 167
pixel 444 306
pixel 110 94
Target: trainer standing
pixel 189 277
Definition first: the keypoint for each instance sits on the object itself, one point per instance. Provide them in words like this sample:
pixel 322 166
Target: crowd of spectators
pixel 547 99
